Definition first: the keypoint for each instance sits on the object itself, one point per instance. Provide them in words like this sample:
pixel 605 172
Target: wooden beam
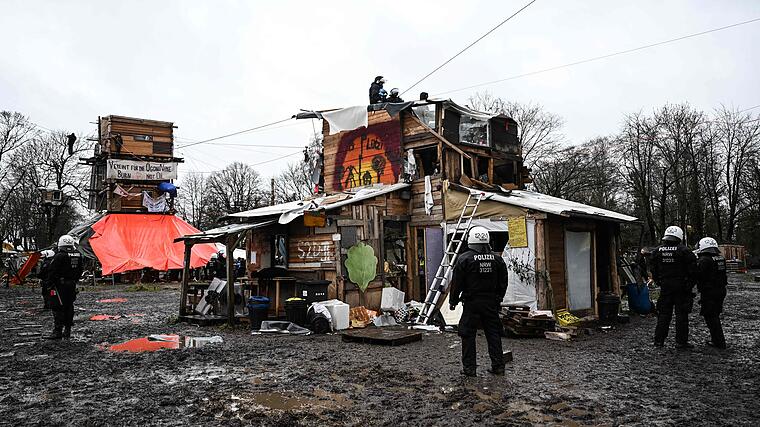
pixel 542 266
pixel 441 138
pixel 231 280
pixel 614 234
pixel 185 280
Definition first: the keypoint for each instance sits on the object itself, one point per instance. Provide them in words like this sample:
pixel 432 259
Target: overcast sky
pixel 216 67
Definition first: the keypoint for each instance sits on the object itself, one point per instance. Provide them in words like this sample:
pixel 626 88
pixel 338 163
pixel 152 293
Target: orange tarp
pixel 124 242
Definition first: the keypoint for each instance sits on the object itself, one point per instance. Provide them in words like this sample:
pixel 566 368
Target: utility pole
pixel 271 202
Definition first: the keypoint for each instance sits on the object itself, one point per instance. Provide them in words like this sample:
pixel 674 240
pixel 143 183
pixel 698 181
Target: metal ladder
pixel 443 274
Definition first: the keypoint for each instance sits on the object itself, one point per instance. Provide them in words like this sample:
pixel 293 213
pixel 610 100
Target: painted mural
pixel 368 156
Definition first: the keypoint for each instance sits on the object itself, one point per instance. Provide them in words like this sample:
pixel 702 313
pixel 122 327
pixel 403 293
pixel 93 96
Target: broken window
pixel 280 251
pixel 426 114
pixel 427 161
pixel 482 163
pixel 504 172
pixel 473 131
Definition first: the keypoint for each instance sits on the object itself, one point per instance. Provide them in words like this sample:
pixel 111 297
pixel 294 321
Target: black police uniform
pixel 394 99
pixel 374 93
pixel 673 269
pixel 711 284
pixel 63 274
pixel 480 282
pixel 45 281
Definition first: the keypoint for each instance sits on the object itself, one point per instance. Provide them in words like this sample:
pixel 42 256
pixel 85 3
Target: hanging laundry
pixel 346 119
pixel 428 196
pixel 154 205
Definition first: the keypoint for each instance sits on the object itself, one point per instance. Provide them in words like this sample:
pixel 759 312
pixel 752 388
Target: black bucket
pixel 609 304
pixel 258 310
pixel 295 311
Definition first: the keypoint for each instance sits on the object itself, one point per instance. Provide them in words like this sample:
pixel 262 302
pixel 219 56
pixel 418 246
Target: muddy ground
pixel 607 378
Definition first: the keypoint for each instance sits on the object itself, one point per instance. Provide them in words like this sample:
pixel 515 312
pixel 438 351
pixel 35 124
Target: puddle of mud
pixel 321 401
pixel 112 300
pixel 161 342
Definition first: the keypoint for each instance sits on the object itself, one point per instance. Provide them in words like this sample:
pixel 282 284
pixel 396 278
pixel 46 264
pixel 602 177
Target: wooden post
pixel 230 280
pixel 185 279
pixel 614 232
pixel 542 273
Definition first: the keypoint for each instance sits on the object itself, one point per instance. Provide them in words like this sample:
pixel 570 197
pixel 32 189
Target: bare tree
pixel 15 131
pixel 739 138
pixel 236 188
pixel 296 181
pixel 192 202
pixel 638 163
pixel 539 131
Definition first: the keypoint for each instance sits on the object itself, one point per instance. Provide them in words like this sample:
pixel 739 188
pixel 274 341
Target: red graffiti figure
pixel 369 156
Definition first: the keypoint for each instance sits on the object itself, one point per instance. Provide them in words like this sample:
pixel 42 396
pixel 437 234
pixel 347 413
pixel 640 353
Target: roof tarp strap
pixel 455 200
pixel 124 242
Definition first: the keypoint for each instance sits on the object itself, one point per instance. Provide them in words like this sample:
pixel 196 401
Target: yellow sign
pixel 518 232
pixel 314 218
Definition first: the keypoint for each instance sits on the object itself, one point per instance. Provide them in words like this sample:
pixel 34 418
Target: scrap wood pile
pixel 522 322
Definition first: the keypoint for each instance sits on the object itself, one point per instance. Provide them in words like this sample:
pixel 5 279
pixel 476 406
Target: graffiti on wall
pixel 368 156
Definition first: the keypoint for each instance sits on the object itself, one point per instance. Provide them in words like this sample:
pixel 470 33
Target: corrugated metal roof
pixel 292 210
pixel 225 230
pixel 553 205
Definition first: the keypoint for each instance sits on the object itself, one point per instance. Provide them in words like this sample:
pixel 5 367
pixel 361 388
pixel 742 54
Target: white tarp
pixel 521 267
pixel 346 119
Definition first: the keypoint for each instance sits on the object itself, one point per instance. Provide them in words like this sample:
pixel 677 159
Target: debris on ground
pixel 102 317
pixel 112 300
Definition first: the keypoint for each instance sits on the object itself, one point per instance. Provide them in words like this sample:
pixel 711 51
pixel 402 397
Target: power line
pixel 252 165
pixel 186 139
pixel 467 47
pixel 596 58
pixel 750 108
pixel 234 133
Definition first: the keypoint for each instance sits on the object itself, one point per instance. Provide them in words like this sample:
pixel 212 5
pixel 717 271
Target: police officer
pixel 394 97
pixel 47 258
pixel 377 94
pixel 63 274
pixel 480 282
pixel 711 284
pixel 673 269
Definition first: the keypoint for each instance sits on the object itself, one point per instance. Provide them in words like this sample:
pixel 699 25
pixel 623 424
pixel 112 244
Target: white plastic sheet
pixel 521 265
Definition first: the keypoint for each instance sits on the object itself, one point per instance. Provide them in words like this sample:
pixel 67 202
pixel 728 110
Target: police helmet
pixel 478 236
pixel 66 241
pixel 673 232
pixel 707 244
pixel 394 91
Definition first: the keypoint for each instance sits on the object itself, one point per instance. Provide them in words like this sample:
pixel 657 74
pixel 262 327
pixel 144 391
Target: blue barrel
pixel 258 310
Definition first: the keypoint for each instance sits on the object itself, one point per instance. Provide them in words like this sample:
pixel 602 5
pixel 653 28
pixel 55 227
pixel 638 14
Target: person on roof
pixel 63 274
pixel 394 98
pixel 711 283
pixel 480 282
pixel 377 94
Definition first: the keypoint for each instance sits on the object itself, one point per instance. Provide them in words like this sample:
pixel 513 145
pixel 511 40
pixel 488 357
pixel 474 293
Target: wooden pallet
pixel 382 336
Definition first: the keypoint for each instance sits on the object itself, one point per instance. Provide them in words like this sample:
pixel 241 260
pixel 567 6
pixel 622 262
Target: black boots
pixel 57 333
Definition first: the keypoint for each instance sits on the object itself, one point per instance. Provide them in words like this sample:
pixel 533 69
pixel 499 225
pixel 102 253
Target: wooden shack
pixel 131 157
pixel 399 184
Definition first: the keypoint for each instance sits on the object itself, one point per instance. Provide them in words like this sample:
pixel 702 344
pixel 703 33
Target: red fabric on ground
pixel 124 242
